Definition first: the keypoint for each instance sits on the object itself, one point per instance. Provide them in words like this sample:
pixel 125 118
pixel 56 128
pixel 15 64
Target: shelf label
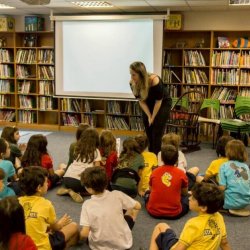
pixel 174 22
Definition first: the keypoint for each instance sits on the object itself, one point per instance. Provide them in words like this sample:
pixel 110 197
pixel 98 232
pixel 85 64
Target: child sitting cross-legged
pixel 205 231
pixel 168 187
pixel 102 219
pixel 40 216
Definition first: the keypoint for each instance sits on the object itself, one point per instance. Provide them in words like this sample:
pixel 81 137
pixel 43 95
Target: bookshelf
pixel 193 60
pixel 27 91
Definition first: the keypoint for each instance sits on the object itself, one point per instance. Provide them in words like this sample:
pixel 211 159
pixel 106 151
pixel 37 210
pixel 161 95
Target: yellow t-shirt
pixel 150 160
pixel 39 214
pixel 214 167
pixel 203 232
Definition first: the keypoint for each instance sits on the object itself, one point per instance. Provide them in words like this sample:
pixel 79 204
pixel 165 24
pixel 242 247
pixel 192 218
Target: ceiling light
pixel 239 2
pixel 93 4
pixel 4 6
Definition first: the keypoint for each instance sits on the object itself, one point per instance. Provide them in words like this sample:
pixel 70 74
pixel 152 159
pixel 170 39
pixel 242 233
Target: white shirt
pixel 182 162
pixel 77 167
pixel 104 215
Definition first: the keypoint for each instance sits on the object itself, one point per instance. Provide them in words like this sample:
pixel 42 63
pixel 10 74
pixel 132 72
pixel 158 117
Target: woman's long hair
pixel 141 88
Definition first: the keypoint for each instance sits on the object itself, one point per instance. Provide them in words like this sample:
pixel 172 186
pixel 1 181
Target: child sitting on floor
pixel 206 231
pixel 234 179
pixel 212 173
pixel 40 216
pixel 102 219
pixel 150 162
pixel 12 230
pixel 168 187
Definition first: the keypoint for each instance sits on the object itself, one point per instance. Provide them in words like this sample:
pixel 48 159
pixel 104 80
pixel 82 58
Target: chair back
pixel 212 106
pixel 242 107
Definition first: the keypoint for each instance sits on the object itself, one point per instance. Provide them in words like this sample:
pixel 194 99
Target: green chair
pixel 241 124
pixel 209 114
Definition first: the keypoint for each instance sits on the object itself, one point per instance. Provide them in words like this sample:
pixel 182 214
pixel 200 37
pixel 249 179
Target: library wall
pixel 220 20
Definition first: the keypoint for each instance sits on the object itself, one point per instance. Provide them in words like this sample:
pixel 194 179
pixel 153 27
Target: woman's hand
pixel 150 121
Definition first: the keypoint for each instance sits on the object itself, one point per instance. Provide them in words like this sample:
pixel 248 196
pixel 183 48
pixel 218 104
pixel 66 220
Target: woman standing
pixel 154 101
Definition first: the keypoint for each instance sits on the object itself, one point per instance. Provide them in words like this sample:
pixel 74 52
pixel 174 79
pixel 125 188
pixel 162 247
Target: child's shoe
pixel 240 212
pixel 75 196
pixel 62 191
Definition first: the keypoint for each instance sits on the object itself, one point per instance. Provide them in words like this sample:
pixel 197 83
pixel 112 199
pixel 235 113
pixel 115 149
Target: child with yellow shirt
pixel 205 231
pixel 212 172
pixel 150 161
pixel 40 217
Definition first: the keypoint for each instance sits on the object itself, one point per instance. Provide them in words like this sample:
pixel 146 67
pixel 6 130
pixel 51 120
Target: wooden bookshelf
pixel 193 60
pixel 27 92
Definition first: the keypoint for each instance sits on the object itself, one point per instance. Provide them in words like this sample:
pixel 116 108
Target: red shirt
pixel 46 163
pixel 111 163
pixel 165 198
pixel 21 241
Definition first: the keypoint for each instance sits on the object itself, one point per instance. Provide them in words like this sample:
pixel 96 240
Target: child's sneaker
pixel 240 212
pixel 75 196
pixel 62 191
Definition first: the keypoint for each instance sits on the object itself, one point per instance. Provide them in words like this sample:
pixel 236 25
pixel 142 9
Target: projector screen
pixel 92 58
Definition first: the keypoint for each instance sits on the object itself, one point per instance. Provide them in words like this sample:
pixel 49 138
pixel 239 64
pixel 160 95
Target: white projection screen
pixel 92 57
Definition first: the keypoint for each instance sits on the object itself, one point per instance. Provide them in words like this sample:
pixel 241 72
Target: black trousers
pixel 156 130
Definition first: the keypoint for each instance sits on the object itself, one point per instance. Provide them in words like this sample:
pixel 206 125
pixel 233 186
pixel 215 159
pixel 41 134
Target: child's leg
pixel 194 170
pixel 60 172
pixel 159 228
pixel 71 234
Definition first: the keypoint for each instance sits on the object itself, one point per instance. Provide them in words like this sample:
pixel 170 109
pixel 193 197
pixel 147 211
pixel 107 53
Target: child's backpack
pixel 125 173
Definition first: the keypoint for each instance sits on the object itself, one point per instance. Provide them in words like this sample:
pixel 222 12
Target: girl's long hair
pixel 142 87
pixel 12 220
pixel 107 142
pixel 8 134
pixel 36 147
pixel 86 146
pixel 129 151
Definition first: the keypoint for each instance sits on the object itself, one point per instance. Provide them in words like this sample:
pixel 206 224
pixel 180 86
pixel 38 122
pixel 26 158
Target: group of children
pixel 169 188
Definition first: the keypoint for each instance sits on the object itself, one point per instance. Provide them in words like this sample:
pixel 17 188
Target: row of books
pixel 245 59
pixel 5 86
pixel 224 94
pixel 226 112
pixel 6 56
pixel 23 71
pixel 46 87
pixel 70 119
pixel 244 77
pixel 46 56
pixel 7 116
pixel 27 116
pixel 87 106
pixel 116 123
pixel 6 71
pixel 116 107
pixel 166 58
pixel 225 58
pixel 194 97
pixel 70 105
pixel 194 58
pixel 89 119
pixel 5 101
pixel 225 76
pixel 195 76
pixel 244 92
pixel 172 90
pixel 136 124
pixel 27 101
pixel 136 109
pixel 169 76
pixel 47 103
pixel 26 56
pixel 46 72
pixel 24 87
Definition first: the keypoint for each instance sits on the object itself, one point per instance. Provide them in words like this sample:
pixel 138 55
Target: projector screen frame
pixel 91 95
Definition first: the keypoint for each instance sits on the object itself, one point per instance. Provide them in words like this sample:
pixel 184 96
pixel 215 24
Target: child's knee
pixel 162 227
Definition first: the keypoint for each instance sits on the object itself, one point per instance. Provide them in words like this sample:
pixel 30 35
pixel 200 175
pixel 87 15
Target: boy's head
pixel 236 151
pixel 169 154
pixel 208 196
pixel 142 141
pixel 32 179
pixel 221 145
pixel 171 138
pixel 95 178
pixel 2 175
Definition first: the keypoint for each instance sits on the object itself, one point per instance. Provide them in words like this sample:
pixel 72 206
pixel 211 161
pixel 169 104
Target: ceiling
pixel 120 6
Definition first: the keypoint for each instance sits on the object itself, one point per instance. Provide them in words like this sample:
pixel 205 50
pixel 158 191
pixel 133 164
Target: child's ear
pixel 38 189
pixel 203 209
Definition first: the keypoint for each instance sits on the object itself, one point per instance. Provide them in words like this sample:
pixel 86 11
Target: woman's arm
pixel 156 109
pixel 145 108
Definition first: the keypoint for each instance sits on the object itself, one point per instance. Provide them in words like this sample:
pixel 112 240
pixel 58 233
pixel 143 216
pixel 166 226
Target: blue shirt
pixel 9 171
pixel 235 176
